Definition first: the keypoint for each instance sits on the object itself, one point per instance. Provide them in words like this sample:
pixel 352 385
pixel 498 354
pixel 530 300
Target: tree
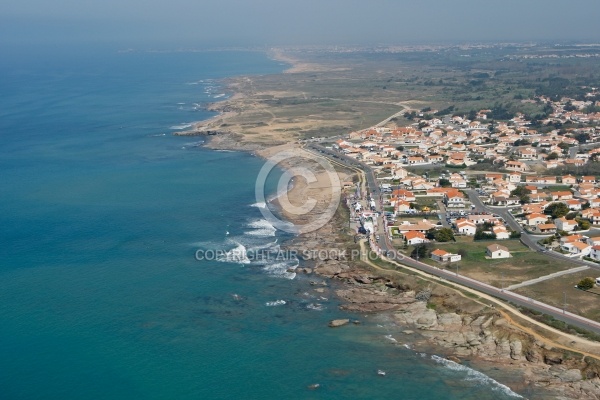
pixel 552 156
pixel 583 224
pixel 557 210
pixel 445 182
pixel 564 146
pixel 480 234
pixel 521 193
pixel 420 251
pixel 444 235
pixel 586 283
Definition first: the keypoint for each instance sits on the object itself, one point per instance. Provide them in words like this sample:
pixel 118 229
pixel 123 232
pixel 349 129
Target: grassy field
pixel 553 291
pixel 523 265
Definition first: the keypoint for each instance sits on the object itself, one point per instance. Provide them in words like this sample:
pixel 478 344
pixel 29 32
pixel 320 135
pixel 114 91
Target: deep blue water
pixel 101 212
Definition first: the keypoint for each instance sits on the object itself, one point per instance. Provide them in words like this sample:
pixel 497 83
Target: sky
pixel 206 23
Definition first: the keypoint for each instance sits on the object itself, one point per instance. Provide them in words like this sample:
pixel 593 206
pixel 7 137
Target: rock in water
pixel 338 322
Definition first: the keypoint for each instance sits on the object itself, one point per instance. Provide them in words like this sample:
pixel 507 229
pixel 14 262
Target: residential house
pixel 501 232
pixel 414 237
pixel 595 253
pixel 443 256
pixel 454 199
pixel 573 204
pixel 514 177
pixel 562 195
pixel 516 166
pixel 577 248
pixel 545 228
pixel 588 179
pixel 536 219
pixel 495 251
pixel 564 224
pixel 465 227
pixel 569 180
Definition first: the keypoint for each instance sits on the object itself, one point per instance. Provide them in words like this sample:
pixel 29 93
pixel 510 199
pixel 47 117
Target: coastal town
pixel 483 197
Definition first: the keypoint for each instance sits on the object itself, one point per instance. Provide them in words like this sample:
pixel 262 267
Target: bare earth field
pixel 553 292
pixel 523 265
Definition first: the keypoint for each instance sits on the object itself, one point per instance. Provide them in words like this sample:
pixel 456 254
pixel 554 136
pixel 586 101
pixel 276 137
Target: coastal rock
pixel 424 295
pixel 426 319
pixel 330 268
pixel 533 356
pixel 450 321
pixel 338 322
pixel 570 375
pixel 472 339
pixel 503 348
pixel 362 279
pixel 516 348
pixel 454 339
pixel 553 358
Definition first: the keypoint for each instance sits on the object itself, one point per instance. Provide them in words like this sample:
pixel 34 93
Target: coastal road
pixel 558 313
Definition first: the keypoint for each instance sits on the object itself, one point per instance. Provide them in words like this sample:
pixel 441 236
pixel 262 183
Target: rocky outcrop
pixel 338 322
pixel 371 300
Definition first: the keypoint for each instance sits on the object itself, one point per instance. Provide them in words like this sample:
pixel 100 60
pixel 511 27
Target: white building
pixel 466 227
pixel 495 251
pixel 443 256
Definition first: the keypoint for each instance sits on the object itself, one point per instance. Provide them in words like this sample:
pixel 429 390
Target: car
pixel 377 237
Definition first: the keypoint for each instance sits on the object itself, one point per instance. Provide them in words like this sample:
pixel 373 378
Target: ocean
pixel 102 212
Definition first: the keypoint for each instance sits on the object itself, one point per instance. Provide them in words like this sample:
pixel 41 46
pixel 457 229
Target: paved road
pixel 514 298
pixel 507 295
pixel 546 277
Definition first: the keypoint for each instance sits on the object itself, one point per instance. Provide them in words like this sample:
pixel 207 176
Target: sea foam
pixel 261 227
pixel 476 376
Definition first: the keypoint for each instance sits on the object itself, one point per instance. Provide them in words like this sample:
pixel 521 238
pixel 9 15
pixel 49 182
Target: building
pixel 595 255
pixel 454 199
pixel 495 251
pixel 500 232
pixel 465 227
pixel 545 228
pixel 563 224
pixel 536 219
pixel 415 237
pixel 443 256
pixel 577 248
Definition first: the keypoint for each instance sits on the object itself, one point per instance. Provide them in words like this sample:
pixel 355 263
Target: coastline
pixel 462 331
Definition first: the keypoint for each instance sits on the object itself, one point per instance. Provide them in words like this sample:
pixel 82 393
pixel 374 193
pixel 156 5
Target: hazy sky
pixel 275 22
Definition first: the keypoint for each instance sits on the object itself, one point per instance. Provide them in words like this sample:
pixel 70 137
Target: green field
pixel 523 265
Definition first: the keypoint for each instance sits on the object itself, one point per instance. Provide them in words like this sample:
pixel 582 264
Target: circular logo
pixel 308 191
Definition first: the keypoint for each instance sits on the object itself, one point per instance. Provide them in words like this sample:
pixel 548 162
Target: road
pixel 546 277
pixel 514 298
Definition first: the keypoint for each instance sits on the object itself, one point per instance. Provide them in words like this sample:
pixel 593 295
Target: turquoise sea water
pixel 101 212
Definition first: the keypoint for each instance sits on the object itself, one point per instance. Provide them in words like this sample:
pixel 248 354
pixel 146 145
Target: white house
pixel 496 251
pixel 501 232
pixel 443 256
pixel 577 248
pixel 595 253
pixel 534 219
pixel 414 237
pixel 564 224
pixel 466 227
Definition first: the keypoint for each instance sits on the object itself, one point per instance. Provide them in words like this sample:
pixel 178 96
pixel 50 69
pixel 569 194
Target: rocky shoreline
pixel 452 326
